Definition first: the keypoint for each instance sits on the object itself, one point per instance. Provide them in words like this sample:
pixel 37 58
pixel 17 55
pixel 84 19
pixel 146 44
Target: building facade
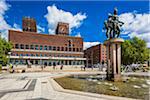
pixel 44 49
pixel 95 55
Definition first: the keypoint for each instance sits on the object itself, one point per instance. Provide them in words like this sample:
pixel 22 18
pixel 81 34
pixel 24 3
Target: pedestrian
pixel 84 67
pixel 42 67
pixel 61 67
pixel 54 65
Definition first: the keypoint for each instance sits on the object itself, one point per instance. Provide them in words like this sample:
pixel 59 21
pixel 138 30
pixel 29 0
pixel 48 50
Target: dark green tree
pixel 5 47
pixel 134 51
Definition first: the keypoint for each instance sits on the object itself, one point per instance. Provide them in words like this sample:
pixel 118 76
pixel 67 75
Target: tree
pixel 134 51
pixel 5 47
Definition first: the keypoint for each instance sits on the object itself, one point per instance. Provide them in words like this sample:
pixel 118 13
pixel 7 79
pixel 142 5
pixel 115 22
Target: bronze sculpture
pixel 113 25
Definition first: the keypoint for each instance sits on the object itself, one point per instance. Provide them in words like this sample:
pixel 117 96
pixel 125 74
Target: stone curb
pixel 58 88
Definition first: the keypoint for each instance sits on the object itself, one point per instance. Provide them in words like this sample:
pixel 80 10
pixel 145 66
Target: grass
pixel 125 89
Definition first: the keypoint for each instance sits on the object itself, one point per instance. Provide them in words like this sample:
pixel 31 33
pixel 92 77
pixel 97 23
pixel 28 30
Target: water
pixel 94 78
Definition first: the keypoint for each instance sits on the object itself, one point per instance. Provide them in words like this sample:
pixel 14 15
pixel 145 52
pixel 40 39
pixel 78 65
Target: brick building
pixel 95 54
pixel 36 48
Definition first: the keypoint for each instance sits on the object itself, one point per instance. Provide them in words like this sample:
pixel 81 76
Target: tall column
pixel 114 63
pixel 108 58
pixel 114 58
pixel 119 57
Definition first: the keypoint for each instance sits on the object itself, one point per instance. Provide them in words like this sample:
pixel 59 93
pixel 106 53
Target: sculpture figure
pixel 113 25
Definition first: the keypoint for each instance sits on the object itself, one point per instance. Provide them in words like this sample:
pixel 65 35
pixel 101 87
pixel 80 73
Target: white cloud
pixel 78 34
pixel 40 29
pixel 89 44
pixel 3 7
pixel 4 26
pixel 16 27
pixel 56 15
pixel 136 25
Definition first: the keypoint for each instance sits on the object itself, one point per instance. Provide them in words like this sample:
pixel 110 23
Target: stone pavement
pixel 37 86
pixel 34 86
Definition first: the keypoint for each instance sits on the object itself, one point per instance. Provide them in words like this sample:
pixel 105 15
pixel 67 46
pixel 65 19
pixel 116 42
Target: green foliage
pixel 134 51
pixel 5 47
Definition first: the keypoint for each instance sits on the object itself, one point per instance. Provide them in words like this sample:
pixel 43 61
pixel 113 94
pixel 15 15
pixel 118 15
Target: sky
pixel 85 18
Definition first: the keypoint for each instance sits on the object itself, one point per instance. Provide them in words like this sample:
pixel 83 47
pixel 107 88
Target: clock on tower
pixel 62 28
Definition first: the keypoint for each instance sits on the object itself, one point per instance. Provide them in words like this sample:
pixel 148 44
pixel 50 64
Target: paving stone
pixel 17 87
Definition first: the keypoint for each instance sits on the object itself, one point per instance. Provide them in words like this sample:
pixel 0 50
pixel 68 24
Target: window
pixel 37 55
pixel 17 46
pixel 80 49
pixel 27 46
pixel 27 55
pixel 41 47
pixel 50 48
pixel 45 55
pixel 21 54
pixel 74 49
pixel 58 48
pixel 45 47
pixel 21 46
pixel 32 54
pixel 66 49
pixel 77 49
pixel 54 48
pixel 69 49
pixel 62 48
pixel 36 47
pixel 31 46
pixel 70 43
pixel 41 55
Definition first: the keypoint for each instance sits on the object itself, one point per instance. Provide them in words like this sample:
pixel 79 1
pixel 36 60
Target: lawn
pixel 125 89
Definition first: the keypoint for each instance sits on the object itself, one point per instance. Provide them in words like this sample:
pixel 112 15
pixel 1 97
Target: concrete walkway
pixel 34 86
pixel 37 86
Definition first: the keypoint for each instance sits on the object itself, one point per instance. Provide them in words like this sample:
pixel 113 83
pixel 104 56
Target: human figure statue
pixel 113 25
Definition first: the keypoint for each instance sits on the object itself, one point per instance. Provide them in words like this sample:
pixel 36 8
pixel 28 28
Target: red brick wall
pixel 18 37
pixel 96 54
pixel 33 38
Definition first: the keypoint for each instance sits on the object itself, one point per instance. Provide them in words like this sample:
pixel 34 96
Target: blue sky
pixel 88 24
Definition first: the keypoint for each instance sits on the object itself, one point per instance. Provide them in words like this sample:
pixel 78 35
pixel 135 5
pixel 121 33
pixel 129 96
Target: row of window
pixel 41 47
pixel 47 62
pixel 45 55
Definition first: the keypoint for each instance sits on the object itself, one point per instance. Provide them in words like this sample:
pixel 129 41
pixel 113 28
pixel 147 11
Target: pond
pixel 131 87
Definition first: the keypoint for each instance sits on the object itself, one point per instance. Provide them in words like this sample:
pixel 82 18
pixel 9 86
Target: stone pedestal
pixel 113 49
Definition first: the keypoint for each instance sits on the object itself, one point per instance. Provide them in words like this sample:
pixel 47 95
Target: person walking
pixel 84 67
pixel 61 67
pixel 54 65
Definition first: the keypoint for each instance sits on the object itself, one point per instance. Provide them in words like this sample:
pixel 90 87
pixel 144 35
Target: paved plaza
pixel 36 86
pixel 33 86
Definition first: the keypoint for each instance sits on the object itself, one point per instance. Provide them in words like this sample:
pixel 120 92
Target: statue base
pixel 113 49
pixel 114 77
